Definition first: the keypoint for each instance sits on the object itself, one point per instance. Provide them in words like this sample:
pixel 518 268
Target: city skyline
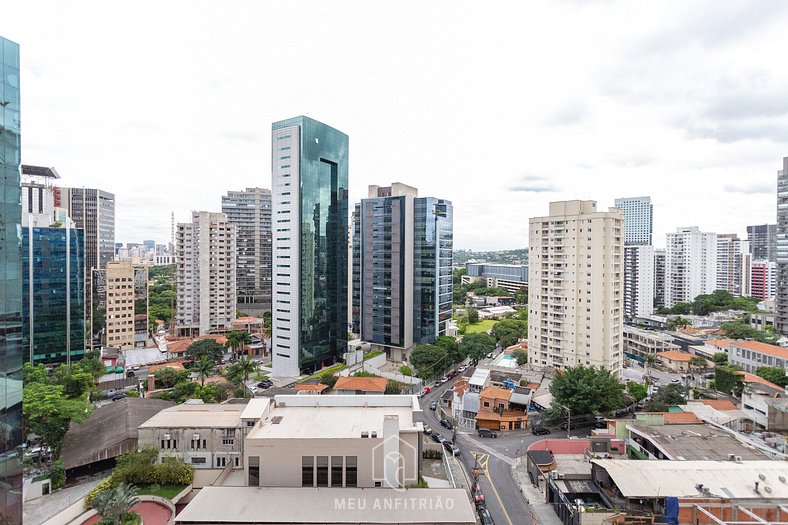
pixel 568 131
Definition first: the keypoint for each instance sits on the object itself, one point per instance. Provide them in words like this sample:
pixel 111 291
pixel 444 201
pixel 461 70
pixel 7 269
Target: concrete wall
pixel 214 448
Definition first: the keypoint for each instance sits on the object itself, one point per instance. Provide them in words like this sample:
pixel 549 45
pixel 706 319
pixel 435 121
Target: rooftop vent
pixel 277 419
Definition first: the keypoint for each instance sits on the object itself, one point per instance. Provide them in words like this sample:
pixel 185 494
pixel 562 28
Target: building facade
pixel 93 211
pixel 749 355
pixel 575 303
pixel 659 277
pixel 511 277
pixel 732 264
pixel 763 279
pixel 120 305
pixel 690 265
pixel 250 211
pixel 309 166
pixel 54 293
pixel 638 281
pixel 638 219
pixel 11 347
pixel 763 241
pixel 781 313
pixel 38 197
pixel 206 275
pixel 639 343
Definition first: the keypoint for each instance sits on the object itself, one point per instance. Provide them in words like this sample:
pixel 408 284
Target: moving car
pixel 427 429
pixel 540 431
pixel 445 423
pixel 487 433
pixel 426 390
pixel 451 447
pixel 433 405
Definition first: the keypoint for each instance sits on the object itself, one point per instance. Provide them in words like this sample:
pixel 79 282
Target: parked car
pixel 426 390
pixel 484 516
pixel 489 356
pixel 487 433
pixel 478 495
pixel 437 438
pixel 434 405
pixel 427 429
pixel 444 379
pixel 445 423
pixel 119 396
pixel 265 384
pixel 540 431
pixel 422 393
pixel 451 447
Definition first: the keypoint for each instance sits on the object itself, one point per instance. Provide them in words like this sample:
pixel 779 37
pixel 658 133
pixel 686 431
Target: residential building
pixel 690 265
pixel 766 410
pixel 120 305
pixel 206 275
pixel 763 279
pixel 640 343
pixel 763 241
pixel 659 277
pixel 464 404
pixel 54 301
pixel 638 218
pixel 638 281
pixel 38 197
pixel 687 442
pixel 354 299
pixel 11 347
pixel 309 168
pixel 360 385
pixel 403 299
pixel 675 360
pixel 511 277
pixel 575 303
pixel 250 212
pixel 781 312
pixel 733 264
pixel 93 211
pixel 503 408
pixel 749 355
pixel 479 380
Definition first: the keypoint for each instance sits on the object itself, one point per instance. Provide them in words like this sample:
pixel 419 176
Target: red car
pixel 478 496
pixel 426 390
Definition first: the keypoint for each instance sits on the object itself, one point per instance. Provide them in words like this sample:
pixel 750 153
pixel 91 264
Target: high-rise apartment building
pixel 659 277
pixel 690 265
pixel 387 269
pixel 354 268
pixel 54 295
pixel 576 274
pixel 763 241
pixel 638 217
pixel 309 168
pixel 763 280
pixel 120 305
pixel 781 313
pixel 730 264
pixel 206 275
pixel 250 212
pixel 93 211
pixel 10 288
pixel 638 281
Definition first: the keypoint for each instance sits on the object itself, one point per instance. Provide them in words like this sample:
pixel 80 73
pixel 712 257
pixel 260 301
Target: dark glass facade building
pixel 781 312
pixel 53 291
pixel 10 288
pixel 309 165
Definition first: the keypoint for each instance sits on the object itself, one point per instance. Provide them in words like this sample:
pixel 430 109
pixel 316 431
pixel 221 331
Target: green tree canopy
pixel 429 360
pixel 478 345
pixel 237 339
pixel 509 331
pixel 743 330
pixel 205 348
pixel 637 390
pixel 452 348
pixel 168 377
pixel 720 358
pixel 587 390
pixel 204 368
pixel 48 412
pixel 772 374
pixel 473 315
pixel 665 397
pixel 521 356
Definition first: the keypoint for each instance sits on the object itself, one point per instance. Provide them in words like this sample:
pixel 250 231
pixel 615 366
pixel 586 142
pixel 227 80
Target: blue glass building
pixel 309 168
pixel 10 288
pixel 53 291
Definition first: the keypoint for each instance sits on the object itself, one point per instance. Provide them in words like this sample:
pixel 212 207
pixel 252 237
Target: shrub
pixel 103 486
pixel 406 370
pixel 58 475
pixel 432 454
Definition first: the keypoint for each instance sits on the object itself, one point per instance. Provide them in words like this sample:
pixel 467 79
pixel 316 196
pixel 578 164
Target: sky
pixel 500 107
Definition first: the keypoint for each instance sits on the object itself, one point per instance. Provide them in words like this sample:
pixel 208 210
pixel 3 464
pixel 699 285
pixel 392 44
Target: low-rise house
pixel 498 411
pixel 675 361
pixel 465 404
pixel 767 409
pixel 501 379
pixel 311 388
pixel 639 343
pixel 479 380
pixel 687 443
pixel 360 385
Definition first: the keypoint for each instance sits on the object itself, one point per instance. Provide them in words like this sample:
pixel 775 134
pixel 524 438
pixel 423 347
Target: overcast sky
pixel 499 107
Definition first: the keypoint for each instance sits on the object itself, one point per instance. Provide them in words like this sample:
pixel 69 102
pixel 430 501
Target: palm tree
pixel 246 366
pixel 205 367
pixel 125 497
pixel 236 341
pixel 103 502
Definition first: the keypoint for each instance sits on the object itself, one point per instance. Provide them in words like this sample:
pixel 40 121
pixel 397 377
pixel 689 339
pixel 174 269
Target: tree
pixel 637 390
pixel 168 377
pixel 406 370
pixel 429 360
pixel 205 367
pixel 328 379
pixel 473 315
pixel 204 348
pixel 697 362
pixel 743 330
pixel 677 322
pixel 246 367
pixel 124 497
pixel 48 412
pixel 772 374
pixel 728 379
pixel 34 374
pixel 76 382
pixel 720 358
pixel 509 331
pixel 236 340
pixel 682 309
pixel 477 346
pixel 587 390
pixel 665 397
pixel 521 356
pixel 452 348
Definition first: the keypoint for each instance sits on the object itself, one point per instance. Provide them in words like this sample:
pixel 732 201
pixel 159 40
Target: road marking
pixel 483 460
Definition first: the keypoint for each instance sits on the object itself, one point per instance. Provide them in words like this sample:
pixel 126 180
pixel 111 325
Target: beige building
pixel 646 342
pixel 576 281
pixel 120 304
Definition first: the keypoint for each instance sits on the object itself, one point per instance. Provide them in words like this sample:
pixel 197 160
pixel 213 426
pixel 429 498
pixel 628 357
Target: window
pixel 351 471
pixel 199 461
pixel 254 471
pixel 227 441
pixel 336 471
pixel 307 471
pixel 322 471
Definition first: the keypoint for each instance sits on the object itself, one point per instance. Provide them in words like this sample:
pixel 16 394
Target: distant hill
pixel 501 256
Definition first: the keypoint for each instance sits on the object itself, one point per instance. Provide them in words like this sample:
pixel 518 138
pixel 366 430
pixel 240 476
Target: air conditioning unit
pixel 166 436
pixel 196 437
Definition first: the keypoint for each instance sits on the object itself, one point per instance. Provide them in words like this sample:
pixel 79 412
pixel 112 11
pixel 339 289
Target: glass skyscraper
pixel 53 295
pixel 10 288
pixel 309 167
pixel 781 313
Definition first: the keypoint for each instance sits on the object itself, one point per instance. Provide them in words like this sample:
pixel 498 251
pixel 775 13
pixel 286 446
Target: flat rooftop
pixel 270 505
pixel 197 416
pixel 697 442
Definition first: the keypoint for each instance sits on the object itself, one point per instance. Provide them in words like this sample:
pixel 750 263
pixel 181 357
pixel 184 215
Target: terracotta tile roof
pixel 762 348
pixel 675 355
pixel 680 418
pixel 244 320
pixel 368 384
pixel 719 404
pixel 460 386
pixel 216 337
pixel 178 346
pixel 720 343
pixel 312 387
pixel 496 393
pixel 752 378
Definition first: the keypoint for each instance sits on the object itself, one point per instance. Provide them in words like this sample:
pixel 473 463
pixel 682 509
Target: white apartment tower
pixel 639 281
pixel 690 265
pixel 638 217
pixel 733 264
pixel 206 274
pixel 576 279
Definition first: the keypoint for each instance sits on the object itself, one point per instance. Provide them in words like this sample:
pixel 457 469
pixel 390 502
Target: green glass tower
pixel 309 168
pixel 10 288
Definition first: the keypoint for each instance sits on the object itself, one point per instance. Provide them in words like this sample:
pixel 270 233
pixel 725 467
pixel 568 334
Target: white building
pixel 638 281
pixel 206 275
pixel 733 264
pixel 638 216
pixel 690 265
pixel 659 277
pixel 576 279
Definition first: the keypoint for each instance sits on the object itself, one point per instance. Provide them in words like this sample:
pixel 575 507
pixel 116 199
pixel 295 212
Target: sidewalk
pixel 39 510
pixel 541 512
